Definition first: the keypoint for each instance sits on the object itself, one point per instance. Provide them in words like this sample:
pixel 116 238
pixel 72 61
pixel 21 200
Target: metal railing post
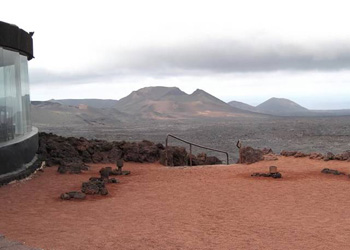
pixel 191 155
pixel 166 150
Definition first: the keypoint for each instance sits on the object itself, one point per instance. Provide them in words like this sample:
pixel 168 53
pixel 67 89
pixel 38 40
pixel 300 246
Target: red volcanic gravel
pixel 210 207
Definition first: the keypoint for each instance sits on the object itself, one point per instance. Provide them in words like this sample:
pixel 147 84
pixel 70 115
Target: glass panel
pixel 3 117
pixel 25 94
pixel 14 95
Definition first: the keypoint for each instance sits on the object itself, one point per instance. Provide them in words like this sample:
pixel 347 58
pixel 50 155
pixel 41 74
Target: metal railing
pixel 190 143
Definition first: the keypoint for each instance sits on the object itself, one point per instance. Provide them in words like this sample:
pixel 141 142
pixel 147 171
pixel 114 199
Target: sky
pixel 248 51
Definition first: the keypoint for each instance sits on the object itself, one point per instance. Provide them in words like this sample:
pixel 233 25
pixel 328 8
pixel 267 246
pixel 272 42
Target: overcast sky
pixel 244 50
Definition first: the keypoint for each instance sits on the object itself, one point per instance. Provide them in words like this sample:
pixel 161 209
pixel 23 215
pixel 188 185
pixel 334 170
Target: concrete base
pixel 18 153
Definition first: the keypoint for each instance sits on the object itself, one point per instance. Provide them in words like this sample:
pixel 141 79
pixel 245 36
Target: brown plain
pixel 156 207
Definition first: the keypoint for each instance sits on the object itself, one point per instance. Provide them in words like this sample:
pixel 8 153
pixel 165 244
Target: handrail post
pixel 190 154
pixel 166 150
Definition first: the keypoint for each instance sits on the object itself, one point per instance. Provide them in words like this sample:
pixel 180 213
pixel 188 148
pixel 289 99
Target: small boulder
pixel 250 155
pixel 329 156
pixel 65 196
pixel 73 195
pixel 331 171
pixel 103 191
pixel 300 155
pixel 276 175
pixel 316 156
pixel 105 172
pixel 288 153
pixel 267 151
pixel 91 187
pixel 113 180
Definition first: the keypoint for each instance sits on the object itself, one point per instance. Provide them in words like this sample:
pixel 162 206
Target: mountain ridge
pixel 162 103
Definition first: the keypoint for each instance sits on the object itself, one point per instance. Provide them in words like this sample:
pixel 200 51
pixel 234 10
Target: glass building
pixel 18 139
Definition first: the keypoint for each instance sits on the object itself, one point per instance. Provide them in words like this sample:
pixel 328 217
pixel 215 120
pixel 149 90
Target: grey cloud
pixel 209 57
pixel 236 56
pixel 42 76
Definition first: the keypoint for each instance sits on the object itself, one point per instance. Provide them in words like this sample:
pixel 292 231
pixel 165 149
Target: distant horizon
pixel 111 99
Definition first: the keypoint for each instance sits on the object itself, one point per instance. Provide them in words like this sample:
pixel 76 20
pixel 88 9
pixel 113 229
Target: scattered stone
pixel 117 172
pixel 331 171
pixel 272 175
pixel 73 195
pixel 250 155
pixel 77 195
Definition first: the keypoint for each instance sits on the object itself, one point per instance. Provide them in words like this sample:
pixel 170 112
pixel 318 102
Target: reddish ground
pixel 217 207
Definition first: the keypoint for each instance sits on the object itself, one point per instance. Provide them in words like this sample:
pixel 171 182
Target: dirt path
pixel 218 207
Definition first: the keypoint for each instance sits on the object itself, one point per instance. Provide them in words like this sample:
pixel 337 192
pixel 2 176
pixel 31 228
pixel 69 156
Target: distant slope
pixel 282 107
pixel 172 103
pixel 339 112
pixel 95 103
pixel 55 114
pixel 243 106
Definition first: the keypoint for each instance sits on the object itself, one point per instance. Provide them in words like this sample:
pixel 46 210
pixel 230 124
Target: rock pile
pixel 95 185
pixel 345 156
pixel 72 168
pixel 316 156
pixel 58 150
pixel 331 171
pixel 250 155
pixel 329 156
pixel 203 159
pixel 298 154
pixel 71 152
pixel 174 156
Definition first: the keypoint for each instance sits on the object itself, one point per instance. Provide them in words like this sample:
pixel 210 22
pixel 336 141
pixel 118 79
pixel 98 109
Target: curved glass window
pixel 14 95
